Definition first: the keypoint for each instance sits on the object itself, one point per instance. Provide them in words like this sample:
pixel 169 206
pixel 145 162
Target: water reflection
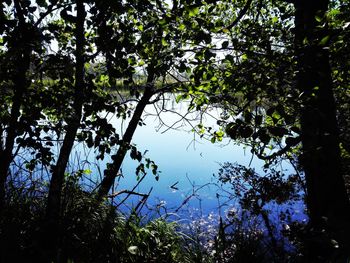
pixel 187 162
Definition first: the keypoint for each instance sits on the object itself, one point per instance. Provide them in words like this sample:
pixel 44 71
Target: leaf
pixel 224 44
pixel 41 3
pixel 334 12
pixel 140 168
pixel 278 131
pixel 244 57
pixel 87 171
pixel 232 133
pixel 162 22
pixel 292 141
pixel 135 154
pixel 324 40
pixel 140 27
pixel 226 31
pixel 193 11
pixel 263 136
pixel 178 98
pixel 182 27
pixel 164 42
pixel 132 60
pixel 214 78
pixel 246 132
pixel 133 250
pixel 318 18
pixel 154 169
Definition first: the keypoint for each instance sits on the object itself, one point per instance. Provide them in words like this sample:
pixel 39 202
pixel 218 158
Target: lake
pixel 186 161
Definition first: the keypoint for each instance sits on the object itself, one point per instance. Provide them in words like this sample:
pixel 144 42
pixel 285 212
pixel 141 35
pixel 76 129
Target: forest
pixel 277 71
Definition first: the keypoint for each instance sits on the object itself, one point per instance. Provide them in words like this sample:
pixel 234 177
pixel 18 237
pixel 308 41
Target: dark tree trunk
pixel 327 200
pixel 22 57
pixel 53 212
pixel 20 85
pixel 113 170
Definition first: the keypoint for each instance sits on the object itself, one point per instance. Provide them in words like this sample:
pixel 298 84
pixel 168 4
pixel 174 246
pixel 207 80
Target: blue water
pixel 186 162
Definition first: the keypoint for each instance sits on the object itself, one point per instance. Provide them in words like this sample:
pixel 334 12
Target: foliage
pixel 90 233
pixel 68 66
pixel 250 76
pixel 158 240
pixel 99 233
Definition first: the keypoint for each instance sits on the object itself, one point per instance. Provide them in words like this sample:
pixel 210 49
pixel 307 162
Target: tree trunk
pixel 112 171
pixel 22 56
pixel 53 210
pixel 20 85
pixel 327 200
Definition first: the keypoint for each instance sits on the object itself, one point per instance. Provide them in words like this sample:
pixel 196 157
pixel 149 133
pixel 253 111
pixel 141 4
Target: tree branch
pixel 240 15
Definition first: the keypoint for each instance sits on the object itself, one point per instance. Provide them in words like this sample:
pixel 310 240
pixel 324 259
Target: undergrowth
pixel 98 232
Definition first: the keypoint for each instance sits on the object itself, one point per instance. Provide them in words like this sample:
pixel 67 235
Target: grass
pixel 92 232
pixel 98 232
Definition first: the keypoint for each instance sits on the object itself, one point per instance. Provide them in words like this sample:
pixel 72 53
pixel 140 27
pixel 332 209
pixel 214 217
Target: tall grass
pixel 98 232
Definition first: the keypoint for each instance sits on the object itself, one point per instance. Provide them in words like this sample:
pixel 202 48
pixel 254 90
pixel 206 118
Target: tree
pixel 73 124
pixel 327 199
pixel 20 33
pixel 161 36
pixel 22 45
pixel 69 92
pixel 275 85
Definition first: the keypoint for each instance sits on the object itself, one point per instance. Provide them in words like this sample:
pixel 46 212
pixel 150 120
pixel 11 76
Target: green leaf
pixel 178 98
pixel 141 63
pixel 214 78
pixel 318 18
pixel 193 11
pixel 162 22
pixel 333 12
pixel 164 42
pixel 324 40
pixel 87 171
pixel 140 27
pixel 244 57
pixel 182 27
pixel 226 31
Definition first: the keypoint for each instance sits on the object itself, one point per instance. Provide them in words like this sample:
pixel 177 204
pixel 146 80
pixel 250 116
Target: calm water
pixel 186 161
